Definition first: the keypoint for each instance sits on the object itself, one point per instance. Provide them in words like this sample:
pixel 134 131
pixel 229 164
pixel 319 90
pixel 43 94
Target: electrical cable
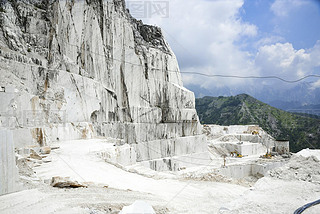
pixel 204 74
pixel 212 75
pixel 306 206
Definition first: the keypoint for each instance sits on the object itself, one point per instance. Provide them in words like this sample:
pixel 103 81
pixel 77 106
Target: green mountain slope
pixel 301 130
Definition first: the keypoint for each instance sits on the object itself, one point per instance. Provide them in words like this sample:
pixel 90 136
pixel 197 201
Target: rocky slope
pixel 80 69
pixel 300 130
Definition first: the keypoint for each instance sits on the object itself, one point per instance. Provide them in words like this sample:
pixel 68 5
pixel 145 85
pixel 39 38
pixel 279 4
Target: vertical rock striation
pixel 76 69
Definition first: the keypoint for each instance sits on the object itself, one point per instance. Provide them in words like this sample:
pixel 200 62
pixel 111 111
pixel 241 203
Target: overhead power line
pixel 199 73
pixel 204 74
pixel 210 75
pixel 252 77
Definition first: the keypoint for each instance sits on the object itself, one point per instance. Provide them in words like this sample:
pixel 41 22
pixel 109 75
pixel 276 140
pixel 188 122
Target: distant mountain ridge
pixel 303 131
pixel 299 98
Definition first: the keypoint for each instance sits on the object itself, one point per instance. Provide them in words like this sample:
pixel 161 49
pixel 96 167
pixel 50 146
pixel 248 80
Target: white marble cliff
pixel 84 69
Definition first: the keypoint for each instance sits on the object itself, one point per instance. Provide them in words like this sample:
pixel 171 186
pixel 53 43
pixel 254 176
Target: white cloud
pixel 284 7
pixel 268 41
pixel 281 59
pixel 315 85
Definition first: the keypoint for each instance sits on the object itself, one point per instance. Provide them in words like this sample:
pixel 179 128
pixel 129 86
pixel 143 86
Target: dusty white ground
pixel 78 160
pixel 166 193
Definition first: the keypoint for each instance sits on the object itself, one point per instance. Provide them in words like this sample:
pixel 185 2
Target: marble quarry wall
pixel 239 171
pixel 78 69
pixel 9 178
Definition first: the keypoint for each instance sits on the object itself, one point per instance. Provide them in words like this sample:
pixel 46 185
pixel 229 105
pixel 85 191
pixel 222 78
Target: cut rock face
pixel 80 69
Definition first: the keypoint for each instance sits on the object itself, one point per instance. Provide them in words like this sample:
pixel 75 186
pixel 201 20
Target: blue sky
pixel 243 37
pixel 300 25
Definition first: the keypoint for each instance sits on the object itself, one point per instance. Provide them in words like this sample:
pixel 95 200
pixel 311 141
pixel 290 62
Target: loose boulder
pixel 65 182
